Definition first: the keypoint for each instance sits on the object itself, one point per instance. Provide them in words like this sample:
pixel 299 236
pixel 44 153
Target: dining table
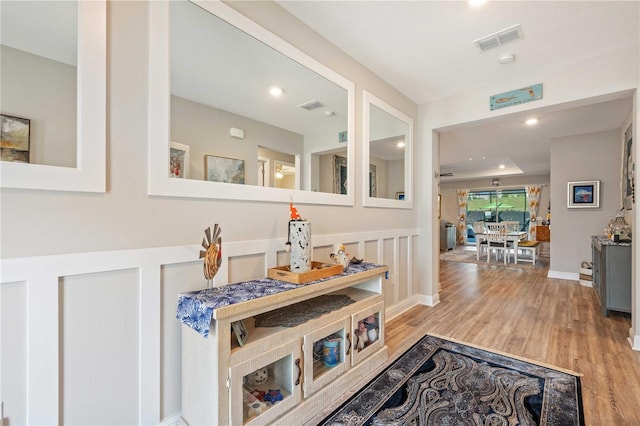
pixel 513 237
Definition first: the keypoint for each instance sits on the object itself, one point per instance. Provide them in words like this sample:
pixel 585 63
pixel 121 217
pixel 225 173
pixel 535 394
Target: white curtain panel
pixel 533 198
pixel 463 196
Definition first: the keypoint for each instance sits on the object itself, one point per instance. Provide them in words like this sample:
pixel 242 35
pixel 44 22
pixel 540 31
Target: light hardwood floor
pixel 550 321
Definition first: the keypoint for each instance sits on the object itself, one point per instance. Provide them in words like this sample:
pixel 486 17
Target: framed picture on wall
pixel 583 194
pixel 179 158
pixel 628 172
pixel 14 138
pixel 221 169
pixel 339 174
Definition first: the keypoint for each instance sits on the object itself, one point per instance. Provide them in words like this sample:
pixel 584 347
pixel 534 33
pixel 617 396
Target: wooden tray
pixel 318 271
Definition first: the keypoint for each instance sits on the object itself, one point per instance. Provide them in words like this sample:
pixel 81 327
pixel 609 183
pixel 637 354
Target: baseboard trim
pixel 634 340
pixel 573 276
pixel 423 299
pixel 399 308
pixel 586 283
pixel 405 305
pixel 173 420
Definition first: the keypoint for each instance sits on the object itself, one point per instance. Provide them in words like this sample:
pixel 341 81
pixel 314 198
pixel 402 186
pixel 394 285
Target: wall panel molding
pixel 42 275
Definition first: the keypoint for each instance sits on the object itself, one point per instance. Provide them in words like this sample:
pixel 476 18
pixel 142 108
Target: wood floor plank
pixel 519 311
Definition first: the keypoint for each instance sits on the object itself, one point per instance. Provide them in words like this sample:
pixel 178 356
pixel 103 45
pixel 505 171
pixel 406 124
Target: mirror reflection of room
pixel 388 137
pixel 38 78
pixel 249 109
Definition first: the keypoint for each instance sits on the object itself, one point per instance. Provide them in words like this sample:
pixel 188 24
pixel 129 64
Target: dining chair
pixel 512 225
pixel 497 240
pixel 479 229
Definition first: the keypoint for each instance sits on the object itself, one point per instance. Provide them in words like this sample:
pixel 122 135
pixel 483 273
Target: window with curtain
pixel 497 206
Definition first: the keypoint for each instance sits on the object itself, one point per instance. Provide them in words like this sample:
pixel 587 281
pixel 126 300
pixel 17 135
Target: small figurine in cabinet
pixel 371 323
pixel 258 377
pixel 361 336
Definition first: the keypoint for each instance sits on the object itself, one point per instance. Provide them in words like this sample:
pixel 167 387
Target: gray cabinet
pixel 612 274
pixel 447 236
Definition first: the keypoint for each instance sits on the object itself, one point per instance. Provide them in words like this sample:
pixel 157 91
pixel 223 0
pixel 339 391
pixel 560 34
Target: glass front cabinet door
pixel 266 386
pixel 326 355
pixel 368 332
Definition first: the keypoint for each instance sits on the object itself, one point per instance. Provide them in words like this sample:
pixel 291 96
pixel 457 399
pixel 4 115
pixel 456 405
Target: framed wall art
pixel 339 174
pixel 373 180
pixel 628 172
pixel 179 160
pixel 14 138
pixel 583 194
pixel 222 169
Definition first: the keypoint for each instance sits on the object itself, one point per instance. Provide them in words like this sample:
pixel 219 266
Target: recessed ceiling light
pixel 506 58
pixel 476 3
pixel 275 91
pixel 531 121
pixel 400 144
pixel 329 113
pixel 501 166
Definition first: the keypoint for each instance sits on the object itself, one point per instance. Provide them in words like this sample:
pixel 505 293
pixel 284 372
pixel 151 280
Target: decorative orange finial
pixel 294 212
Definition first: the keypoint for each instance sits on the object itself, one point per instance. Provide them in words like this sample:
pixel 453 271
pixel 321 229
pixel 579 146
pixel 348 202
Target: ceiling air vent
pixel 499 38
pixel 310 105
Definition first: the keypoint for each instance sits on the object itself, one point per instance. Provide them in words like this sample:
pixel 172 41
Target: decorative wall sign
pixel 343 136
pixel 516 97
pixel 14 138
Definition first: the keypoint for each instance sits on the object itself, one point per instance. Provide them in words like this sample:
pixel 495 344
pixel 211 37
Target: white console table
pixel 216 370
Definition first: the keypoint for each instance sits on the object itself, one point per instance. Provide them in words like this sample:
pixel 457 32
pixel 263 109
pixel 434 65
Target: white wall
pixel 206 131
pixel 119 259
pixel 43 91
pixel 594 156
pixel 395 178
pixel 600 78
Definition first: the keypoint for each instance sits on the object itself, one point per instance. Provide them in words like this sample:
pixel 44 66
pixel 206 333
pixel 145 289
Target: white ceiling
pixel 44 28
pixel 425 49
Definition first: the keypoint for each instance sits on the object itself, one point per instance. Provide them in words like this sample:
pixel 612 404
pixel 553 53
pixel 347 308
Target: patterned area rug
pixel 468 255
pixel 439 382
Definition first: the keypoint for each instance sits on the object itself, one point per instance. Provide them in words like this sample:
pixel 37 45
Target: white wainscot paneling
pixel 92 338
pixel 99 338
pixel 176 279
pixel 13 352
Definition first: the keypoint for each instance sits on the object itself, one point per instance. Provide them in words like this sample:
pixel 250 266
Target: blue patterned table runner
pixel 195 308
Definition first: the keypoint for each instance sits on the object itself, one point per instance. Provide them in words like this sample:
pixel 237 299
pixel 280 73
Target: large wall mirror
pixel 387 155
pixel 53 95
pixel 238 113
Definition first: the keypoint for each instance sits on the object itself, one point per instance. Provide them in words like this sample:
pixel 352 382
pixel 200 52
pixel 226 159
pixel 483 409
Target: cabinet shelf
pixel 257 334
pixel 215 370
pixel 265 387
pixel 299 293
